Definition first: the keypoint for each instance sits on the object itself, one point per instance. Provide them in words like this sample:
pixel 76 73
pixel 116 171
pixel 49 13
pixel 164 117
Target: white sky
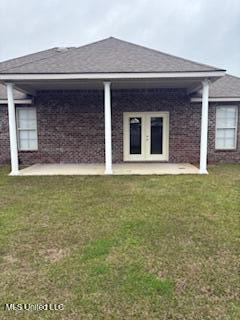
pixel 206 31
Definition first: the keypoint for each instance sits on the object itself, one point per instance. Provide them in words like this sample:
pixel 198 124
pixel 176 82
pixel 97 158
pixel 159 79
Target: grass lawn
pixel 127 247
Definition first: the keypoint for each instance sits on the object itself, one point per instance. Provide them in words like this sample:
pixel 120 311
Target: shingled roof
pixel 110 55
pixel 225 87
pixel 17 94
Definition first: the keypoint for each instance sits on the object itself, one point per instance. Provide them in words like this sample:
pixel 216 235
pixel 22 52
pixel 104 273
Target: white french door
pixel 146 136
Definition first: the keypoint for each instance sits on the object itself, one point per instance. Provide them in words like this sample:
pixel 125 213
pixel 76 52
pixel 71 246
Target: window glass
pixel 156 135
pixel 226 127
pixel 27 129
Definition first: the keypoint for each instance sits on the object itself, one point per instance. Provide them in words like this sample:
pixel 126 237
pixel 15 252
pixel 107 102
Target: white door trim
pixel 126 137
pixel 145 145
pixel 164 155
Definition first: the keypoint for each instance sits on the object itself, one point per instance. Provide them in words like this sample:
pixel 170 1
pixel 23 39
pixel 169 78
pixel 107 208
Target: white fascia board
pixel 17 101
pixel 227 99
pixel 99 76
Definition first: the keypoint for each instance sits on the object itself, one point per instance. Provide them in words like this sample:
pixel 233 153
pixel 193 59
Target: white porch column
pixel 204 128
pixel 108 128
pixel 12 131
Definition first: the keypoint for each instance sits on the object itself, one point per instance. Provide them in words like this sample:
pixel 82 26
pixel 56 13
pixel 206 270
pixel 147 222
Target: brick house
pixel 116 102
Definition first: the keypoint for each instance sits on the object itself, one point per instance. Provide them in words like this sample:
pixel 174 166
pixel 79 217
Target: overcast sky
pixel 206 31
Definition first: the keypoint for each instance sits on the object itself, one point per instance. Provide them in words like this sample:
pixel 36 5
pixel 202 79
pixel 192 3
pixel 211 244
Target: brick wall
pixel 71 126
pixel 4 135
pixel 184 124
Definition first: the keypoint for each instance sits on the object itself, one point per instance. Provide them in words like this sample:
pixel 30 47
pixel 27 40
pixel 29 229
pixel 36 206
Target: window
pixel 226 127
pixel 27 129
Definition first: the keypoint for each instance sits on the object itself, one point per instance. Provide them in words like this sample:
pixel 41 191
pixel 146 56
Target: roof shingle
pixel 225 87
pixel 17 94
pixel 110 55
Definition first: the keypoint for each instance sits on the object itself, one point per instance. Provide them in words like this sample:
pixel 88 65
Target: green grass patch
pixel 98 248
pixel 127 247
pixel 138 282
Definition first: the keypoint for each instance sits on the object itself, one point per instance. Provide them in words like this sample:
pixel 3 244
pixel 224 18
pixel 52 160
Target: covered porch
pixel 117 169
pixel 106 83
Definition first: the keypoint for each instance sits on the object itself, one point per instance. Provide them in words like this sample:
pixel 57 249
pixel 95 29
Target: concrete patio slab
pixel 118 169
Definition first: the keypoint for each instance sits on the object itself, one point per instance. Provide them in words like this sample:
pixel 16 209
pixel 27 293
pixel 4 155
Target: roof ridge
pixel 166 54
pixel 95 42
pixel 32 54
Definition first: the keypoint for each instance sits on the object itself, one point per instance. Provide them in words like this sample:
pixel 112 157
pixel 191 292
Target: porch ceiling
pixel 31 86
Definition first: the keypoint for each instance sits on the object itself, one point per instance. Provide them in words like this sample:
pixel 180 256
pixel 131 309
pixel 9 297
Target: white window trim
pixel 20 129
pixel 235 128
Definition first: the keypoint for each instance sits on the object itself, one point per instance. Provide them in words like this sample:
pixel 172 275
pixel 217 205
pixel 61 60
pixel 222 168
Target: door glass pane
pixel 135 135
pixel 156 135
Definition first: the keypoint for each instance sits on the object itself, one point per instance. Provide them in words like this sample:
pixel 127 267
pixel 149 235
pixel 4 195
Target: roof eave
pixel 17 101
pixel 217 99
pixel 111 75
